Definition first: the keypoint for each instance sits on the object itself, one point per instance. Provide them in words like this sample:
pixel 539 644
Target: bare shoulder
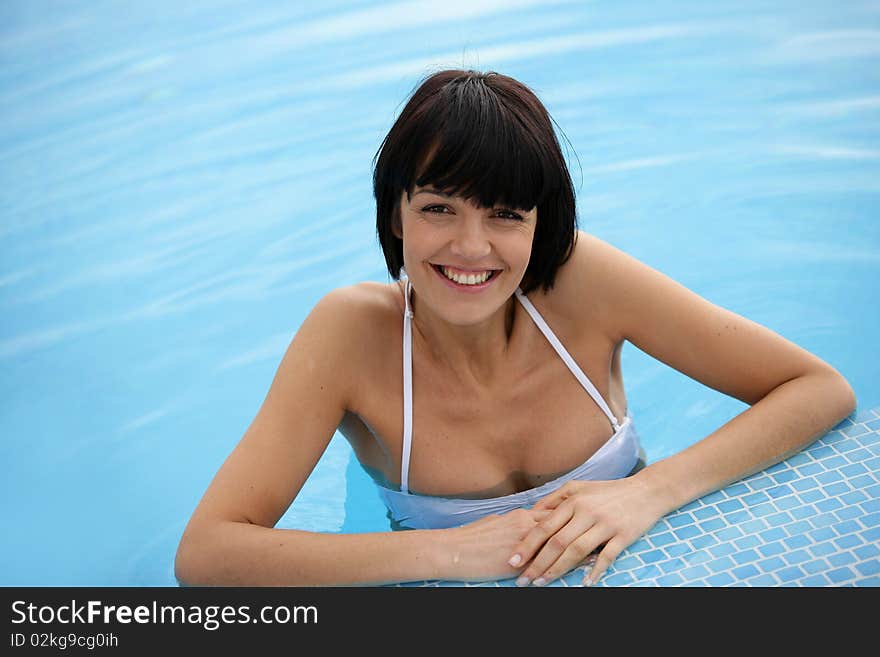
pixel 586 284
pixel 665 319
pixel 357 323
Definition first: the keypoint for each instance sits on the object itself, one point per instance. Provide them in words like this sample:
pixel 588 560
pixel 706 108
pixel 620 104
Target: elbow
pixel 184 563
pixel 841 394
pixel 850 401
pixel 192 565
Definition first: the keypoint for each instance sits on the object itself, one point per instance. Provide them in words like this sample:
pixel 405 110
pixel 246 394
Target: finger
pixel 539 515
pixel 538 535
pixel 577 552
pixel 603 560
pixel 553 548
pixel 553 500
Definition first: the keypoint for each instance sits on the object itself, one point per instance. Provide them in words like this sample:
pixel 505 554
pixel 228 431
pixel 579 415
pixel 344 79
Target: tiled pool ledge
pixel 812 520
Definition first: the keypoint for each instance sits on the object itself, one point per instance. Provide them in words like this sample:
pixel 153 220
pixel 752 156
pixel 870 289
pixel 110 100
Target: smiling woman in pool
pixel 504 441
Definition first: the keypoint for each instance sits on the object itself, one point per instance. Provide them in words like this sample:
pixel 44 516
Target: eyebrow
pixel 432 190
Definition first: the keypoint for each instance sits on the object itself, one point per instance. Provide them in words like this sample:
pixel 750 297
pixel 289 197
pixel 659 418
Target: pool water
pixel 181 182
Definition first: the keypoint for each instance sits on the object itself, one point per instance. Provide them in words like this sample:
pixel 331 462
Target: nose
pixel 471 240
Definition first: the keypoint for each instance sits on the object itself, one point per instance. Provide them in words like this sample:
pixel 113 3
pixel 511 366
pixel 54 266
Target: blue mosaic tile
pixel 678 549
pixel 747 541
pixel 664 539
pixel 812 520
pixel 821 534
pixel 712 498
pixel 772 548
pixel 783 477
pixel 681 520
pixel 728 534
pixel 745 572
pixel 772 534
pixel 804 512
pixel 651 557
pixel 730 505
pixel 796 557
pixel 870 506
pixel 822 549
pixel 848 513
pixel 815 566
pixel 869 567
pixel 694 572
pixel 724 563
pixel 788 503
pixel 795 542
pixel 763 482
pixel 753 499
pixel 706 512
pixel 713 524
pixel 841 559
pixel 672 565
pixel 829 477
pixel 851 471
pixel 736 490
pixel 867 551
pixel 698 557
pixel 840 575
pixel 688 531
pixel 670 580
pixel 771 564
pixel 830 504
pixel 754 526
pixel 721 579
pixel 848 541
pixel 722 549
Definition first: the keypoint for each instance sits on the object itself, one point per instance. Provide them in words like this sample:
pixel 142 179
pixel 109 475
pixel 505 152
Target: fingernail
pixel 514 560
pixel 522 581
pixel 539 582
pixel 587 581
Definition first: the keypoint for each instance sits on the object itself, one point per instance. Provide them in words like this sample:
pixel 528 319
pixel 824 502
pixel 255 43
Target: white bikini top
pixel 615 459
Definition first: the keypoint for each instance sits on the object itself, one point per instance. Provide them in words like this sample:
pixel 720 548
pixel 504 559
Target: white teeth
pixel 466 279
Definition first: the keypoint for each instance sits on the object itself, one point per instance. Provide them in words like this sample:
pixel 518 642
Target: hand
pixel 585 516
pixel 480 550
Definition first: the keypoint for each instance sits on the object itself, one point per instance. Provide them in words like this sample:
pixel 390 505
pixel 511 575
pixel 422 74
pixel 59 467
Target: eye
pixel 435 209
pixel 508 214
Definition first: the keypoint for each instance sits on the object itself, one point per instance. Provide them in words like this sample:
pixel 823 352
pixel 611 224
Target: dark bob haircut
pixel 490 140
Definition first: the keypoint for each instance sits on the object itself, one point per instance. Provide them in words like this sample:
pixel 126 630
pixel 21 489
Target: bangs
pixel 469 144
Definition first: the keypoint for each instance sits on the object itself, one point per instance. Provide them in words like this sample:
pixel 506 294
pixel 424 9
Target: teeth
pixel 466 279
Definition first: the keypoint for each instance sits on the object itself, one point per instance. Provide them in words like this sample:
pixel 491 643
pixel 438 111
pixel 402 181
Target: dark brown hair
pixel 489 139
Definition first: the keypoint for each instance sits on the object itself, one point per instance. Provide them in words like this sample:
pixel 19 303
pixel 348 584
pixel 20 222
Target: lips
pixel 472 280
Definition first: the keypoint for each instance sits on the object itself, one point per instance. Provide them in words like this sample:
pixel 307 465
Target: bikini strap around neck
pixel 566 357
pixel 407 391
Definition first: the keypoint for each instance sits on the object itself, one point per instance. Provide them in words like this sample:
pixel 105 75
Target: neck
pixel 475 354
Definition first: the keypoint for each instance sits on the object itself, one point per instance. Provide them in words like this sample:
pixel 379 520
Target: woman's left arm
pixel 794 398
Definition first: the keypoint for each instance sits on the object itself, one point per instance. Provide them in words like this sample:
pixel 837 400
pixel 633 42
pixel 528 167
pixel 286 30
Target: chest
pixel 538 423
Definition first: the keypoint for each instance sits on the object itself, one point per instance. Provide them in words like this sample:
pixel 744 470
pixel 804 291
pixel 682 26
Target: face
pixel 464 261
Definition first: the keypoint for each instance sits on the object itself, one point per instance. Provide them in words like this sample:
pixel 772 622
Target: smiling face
pixel 465 261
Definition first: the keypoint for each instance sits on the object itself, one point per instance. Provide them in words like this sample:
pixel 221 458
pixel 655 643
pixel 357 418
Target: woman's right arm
pixel 231 540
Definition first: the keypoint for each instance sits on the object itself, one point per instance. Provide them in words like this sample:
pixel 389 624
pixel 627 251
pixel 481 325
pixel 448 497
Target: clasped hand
pixel 582 518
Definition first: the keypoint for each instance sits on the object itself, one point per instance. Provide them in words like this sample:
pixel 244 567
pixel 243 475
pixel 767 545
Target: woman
pixel 504 442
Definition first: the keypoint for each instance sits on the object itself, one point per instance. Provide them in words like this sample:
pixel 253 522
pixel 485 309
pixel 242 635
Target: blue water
pixel 180 182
